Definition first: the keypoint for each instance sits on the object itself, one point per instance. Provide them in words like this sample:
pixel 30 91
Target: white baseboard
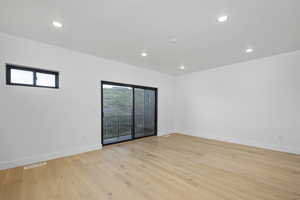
pixel 247 142
pixel 161 133
pixel 49 156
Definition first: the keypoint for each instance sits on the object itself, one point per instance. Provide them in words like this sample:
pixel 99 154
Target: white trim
pixel 46 157
pixel 165 132
pixel 247 142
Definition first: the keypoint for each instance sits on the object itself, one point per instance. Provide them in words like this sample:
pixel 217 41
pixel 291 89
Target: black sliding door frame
pixel 133 110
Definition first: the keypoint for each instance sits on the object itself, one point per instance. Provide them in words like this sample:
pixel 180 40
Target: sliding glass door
pixel 128 112
pixel 117 113
pixel 144 115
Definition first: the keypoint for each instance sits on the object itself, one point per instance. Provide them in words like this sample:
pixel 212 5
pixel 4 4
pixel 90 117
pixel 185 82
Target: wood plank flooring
pixel 177 167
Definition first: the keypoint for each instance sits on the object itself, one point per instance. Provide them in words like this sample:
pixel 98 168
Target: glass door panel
pixel 144 112
pixel 117 116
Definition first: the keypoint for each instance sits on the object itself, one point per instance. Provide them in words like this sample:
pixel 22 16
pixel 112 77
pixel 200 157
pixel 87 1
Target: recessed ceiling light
pixel 57 24
pixel 223 18
pixel 249 50
pixel 144 54
pixel 182 67
pixel 173 40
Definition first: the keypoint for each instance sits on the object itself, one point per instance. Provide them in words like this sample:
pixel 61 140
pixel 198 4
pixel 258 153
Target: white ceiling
pixel 122 29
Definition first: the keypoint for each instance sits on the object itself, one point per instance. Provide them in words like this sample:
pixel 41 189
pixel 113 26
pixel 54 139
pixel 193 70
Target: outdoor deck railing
pixel 116 126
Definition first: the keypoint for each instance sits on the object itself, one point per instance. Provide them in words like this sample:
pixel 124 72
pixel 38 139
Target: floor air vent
pixel 35 165
pixel 168 135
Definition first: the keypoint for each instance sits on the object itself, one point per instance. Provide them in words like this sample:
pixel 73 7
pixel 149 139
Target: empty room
pixel 149 100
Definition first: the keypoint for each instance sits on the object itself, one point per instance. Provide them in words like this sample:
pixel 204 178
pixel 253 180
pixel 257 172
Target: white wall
pixel 255 103
pixel 38 123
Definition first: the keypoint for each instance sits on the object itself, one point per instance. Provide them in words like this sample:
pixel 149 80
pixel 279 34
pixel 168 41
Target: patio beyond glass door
pixel 128 112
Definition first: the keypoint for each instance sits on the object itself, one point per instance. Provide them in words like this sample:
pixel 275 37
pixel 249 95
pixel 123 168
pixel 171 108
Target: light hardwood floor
pixel 178 167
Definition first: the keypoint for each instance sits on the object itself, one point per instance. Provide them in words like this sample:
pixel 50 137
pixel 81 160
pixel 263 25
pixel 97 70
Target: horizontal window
pixel 26 76
pixel 21 77
pixel 44 79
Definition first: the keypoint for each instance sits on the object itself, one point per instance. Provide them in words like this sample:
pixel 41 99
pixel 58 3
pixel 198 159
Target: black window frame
pixel 9 67
pixel 133 110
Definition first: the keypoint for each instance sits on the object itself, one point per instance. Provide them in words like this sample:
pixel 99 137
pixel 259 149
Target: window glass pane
pixel 43 79
pixel 117 113
pixel 144 107
pixel 21 76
